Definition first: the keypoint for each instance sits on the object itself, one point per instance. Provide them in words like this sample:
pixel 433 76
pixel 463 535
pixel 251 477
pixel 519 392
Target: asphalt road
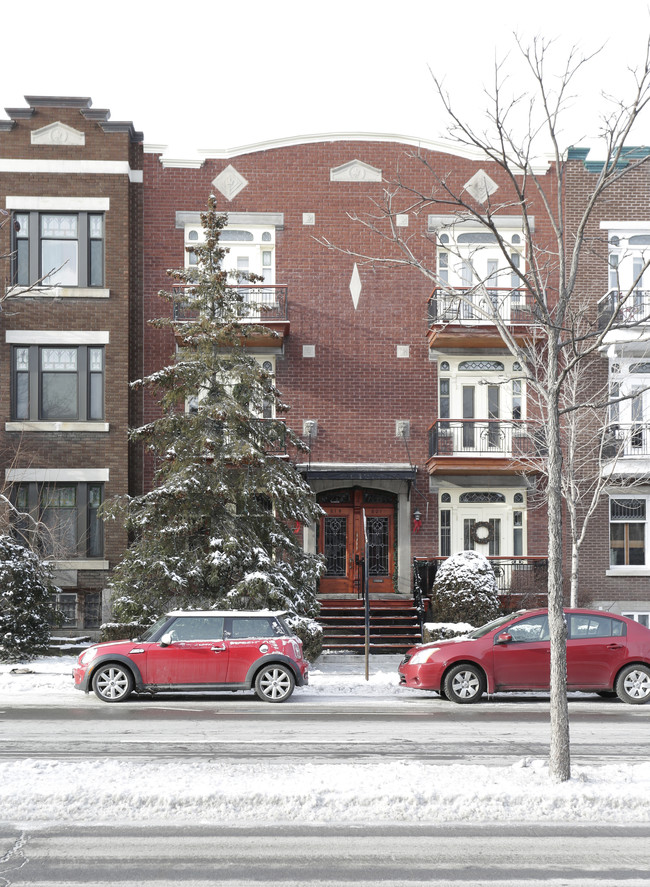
pixel 225 725
pixel 324 857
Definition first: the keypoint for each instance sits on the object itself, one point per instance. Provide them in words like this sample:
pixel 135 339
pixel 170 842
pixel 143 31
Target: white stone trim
pixel 58 204
pixel 194 162
pixel 625 226
pixel 45 425
pixel 58 134
pixel 59 292
pixel 57 337
pixel 71 167
pixel 628 571
pixel 82 564
pixel 57 475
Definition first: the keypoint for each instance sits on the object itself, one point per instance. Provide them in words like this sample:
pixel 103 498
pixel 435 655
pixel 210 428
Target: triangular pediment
pixel 355 171
pixel 58 134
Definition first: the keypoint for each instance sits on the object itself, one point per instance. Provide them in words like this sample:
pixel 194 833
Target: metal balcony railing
pixel 259 303
pixel 627 308
pixel 479 304
pixel 627 440
pixel 521 581
pixel 486 437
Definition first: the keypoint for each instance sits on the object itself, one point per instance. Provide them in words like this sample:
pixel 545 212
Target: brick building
pixel 71 180
pixel 413 408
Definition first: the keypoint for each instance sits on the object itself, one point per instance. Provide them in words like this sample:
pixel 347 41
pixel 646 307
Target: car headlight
pixel 88 656
pixel 423 655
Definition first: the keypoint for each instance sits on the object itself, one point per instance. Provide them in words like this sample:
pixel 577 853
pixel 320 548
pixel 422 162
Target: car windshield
pixel 148 633
pixel 484 629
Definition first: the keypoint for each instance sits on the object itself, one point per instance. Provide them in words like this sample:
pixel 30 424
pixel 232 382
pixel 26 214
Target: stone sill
pixel 59 292
pixel 80 565
pixel 628 571
pixel 96 427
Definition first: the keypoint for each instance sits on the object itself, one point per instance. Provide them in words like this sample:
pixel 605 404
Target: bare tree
pixel 548 288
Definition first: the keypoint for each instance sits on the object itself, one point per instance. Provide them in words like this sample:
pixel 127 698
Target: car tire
pixel 274 683
pixel 464 684
pixel 113 682
pixel 633 684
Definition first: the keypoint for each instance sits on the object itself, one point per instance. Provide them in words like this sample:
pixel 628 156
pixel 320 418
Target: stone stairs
pixel 394 624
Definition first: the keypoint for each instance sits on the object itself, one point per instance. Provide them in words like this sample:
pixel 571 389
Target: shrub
pixel 442 631
pixel 465 590
pixel 310 633
pixel 26 591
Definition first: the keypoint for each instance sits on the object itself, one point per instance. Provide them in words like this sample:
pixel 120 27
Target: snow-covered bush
pixel 26 591
pixel 465 590
pixel 310 633
pixel 442 631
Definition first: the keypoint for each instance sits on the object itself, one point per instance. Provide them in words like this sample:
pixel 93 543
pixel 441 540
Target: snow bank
pixel 369 792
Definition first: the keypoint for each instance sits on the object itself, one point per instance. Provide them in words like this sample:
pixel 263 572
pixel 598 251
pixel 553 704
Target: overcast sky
pixel 217 74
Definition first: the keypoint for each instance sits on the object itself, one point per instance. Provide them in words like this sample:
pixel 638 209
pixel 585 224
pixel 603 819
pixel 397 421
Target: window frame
pixel 27 270
pixel 89 526
pixel 626 540
pixel 90 395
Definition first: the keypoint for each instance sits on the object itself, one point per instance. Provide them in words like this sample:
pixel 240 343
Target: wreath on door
pixel 482 538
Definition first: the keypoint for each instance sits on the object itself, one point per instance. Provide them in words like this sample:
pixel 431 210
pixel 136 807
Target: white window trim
pixel 57 337
pixel 81 564
pixel 45 425
pixel 59 204
pixel 57 475
pixel 60 292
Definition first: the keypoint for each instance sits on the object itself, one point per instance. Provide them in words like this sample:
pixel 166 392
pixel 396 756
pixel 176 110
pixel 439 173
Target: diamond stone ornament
pixel 355 286
pixel 481 186
pixel 229 182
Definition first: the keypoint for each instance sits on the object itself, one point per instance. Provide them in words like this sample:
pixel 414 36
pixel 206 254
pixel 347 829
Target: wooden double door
pixel 342 540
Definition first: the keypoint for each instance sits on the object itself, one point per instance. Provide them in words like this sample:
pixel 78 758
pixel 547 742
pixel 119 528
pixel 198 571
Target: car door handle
pixel 614 646
pixel 216 649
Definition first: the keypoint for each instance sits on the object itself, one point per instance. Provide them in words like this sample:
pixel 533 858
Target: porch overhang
pixel 357 471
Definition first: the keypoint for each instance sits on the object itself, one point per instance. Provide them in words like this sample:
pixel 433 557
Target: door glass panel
pixel 335 533
pixel 493 413
pixel 468 413
pixel 377 528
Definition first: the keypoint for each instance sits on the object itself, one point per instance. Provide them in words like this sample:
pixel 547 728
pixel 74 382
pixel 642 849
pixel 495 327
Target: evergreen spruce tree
pixel 221 527
pixel 26 591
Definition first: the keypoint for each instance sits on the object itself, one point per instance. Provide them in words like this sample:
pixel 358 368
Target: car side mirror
pixel 165 640
pixel 504 638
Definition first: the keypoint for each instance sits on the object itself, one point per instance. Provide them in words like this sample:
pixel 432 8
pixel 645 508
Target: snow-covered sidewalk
pixel 366 790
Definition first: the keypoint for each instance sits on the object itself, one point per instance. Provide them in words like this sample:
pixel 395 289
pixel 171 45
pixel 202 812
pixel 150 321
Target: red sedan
pixel 606 654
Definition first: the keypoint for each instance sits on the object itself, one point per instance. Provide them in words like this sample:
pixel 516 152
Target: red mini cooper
pixel 199 650
pixel 606 654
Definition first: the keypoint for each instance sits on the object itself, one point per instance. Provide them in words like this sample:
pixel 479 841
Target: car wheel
pixel 633 684
pixel 464 684
pixel 274 683
pixel 113 682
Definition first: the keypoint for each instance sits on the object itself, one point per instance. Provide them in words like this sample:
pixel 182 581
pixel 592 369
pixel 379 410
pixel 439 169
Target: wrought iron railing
pixel 479 304
pixel 521 581
pixel 259 303
pixel 627 440
pixel 627 308
pixel 486 437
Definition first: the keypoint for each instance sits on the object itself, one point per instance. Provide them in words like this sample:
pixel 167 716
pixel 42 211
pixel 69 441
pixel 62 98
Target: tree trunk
pixel 560 756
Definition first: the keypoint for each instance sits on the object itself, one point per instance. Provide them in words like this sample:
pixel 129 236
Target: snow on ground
pixel 239 793
pixel 366 790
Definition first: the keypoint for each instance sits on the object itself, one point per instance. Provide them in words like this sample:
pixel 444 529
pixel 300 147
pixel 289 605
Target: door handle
pixel 218 649
pixel 614 646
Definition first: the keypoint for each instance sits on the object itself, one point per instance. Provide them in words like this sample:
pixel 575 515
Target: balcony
pixel 627 308
pixel 522 581
pixel 264 306
pixel 484 445
pixel 464 317
pixel 626 449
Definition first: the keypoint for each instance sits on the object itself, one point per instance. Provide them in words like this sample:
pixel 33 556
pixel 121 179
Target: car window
pixel 529 630
pixel 148 633
pixel 197 628
pixel 256 627
pixel 586 625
